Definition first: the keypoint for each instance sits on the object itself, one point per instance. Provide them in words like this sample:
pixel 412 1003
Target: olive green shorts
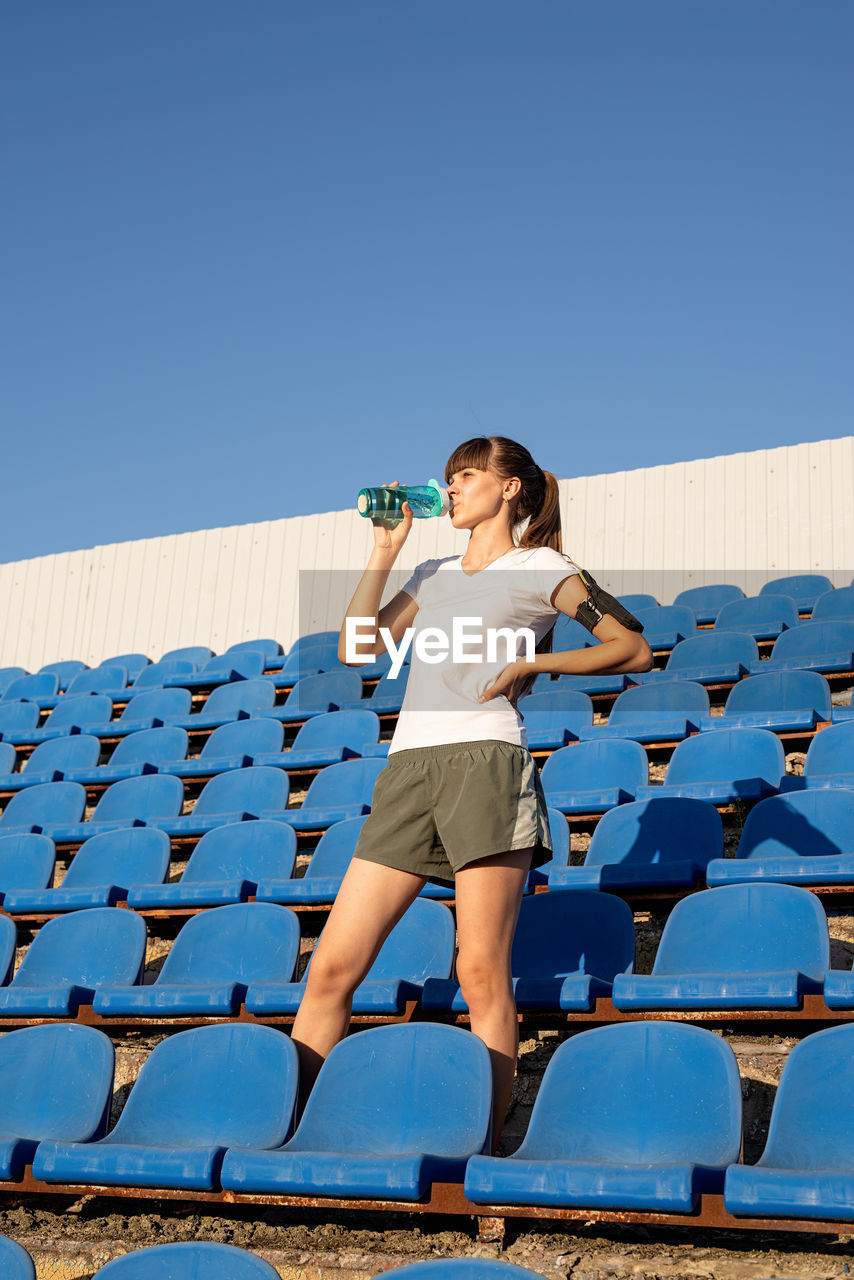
pixel 436 809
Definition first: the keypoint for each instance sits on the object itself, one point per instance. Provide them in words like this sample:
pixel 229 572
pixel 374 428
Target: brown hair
pixel 539 498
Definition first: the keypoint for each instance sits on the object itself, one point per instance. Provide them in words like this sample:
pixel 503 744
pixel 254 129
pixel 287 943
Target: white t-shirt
pixel 441 701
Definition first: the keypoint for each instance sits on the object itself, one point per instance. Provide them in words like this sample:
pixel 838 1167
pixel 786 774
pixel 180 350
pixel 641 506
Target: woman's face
pixel 475 496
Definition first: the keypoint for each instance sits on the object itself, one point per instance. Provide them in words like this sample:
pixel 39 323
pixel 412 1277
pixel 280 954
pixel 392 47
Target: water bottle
pixel 386 504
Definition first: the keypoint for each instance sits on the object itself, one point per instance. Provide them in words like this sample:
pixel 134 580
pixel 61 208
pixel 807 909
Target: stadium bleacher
pixel 258 764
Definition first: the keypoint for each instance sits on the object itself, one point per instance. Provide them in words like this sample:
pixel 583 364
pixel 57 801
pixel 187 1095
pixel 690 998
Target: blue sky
pixel 256 255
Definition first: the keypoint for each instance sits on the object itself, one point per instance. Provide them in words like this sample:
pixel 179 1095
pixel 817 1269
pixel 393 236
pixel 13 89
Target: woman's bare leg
pixel 371 900
pixel 488 895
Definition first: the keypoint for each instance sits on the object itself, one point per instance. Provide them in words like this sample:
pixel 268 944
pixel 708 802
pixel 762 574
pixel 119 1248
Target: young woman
pixel 460 800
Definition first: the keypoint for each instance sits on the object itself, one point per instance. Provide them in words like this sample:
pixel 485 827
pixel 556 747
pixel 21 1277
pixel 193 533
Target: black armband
pixel 592 610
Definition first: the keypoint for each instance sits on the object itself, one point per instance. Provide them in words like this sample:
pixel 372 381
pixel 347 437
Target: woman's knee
pixel 332 976
pixel 483 982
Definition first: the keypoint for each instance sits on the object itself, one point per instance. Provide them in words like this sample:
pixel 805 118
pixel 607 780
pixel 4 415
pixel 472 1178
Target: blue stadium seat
pixel 763 617
pixel 55 1082
pixel 659 843
pixel 99 873
pixel 26 862
pixel 835 604
pixel 666 625
pixel 566 951
pixel 803 838
pixel 150 709
pixel 188 1260
pixel 663 712
pixel 830 759
pixel 474 1268
pixel 51 761
pixel 589 684
pixel 271 649
pixel 133 663
pixel 70 957
pixel 235 701
pixel 840 714
pixel 313 639
pixel 152 799
pixel 804 588
pixel 8 674
pixel 644 1115
pixel 295 667
pixel 111 681
pixel 731 764
pixel 18 717
pixel 8 942
pixel 807 1167
pixel 325 739
pixel 635 600
pixel 7 761
pixel 826 645
pixel 324 873
pixel 236 745
pixel 559 829
pixel 225 866
pixel 137 754
pixel 15 1262
pixel 553 720
pixel 313 695
pixel 198 654
pixel 223 669
pixel 339 791
pixel 235 796
pixel 743 946
pixel 710 657
pixel 42 689
pixel 387 695
pixel 75 713
pixel 707 602
pixel 216 955
pixel 67 669
pixel 393 1109
pixel 199 1092
pixel 151 677
pixel 839 989
pixel 42 806
pixel 420 946
pixel 784 701
pixel 593 776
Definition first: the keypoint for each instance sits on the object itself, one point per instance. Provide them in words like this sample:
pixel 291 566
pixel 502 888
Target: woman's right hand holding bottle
pixel 390 535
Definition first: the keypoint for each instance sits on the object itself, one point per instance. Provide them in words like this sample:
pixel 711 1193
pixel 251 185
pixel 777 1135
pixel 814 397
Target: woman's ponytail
pixel 543 528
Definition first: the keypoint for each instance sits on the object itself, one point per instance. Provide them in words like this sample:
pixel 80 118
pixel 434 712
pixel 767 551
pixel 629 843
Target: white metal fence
pixel 740 518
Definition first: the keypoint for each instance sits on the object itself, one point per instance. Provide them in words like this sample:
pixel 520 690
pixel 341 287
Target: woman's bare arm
pixel 620 649
pixel 397 615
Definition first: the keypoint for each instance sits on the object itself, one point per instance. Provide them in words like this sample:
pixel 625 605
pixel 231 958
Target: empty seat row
pixel 188 1260
pixel 786 702
pixel 228 864
pixel 641 1116
pixel 92 713
pixel 805 837
pixel 737 947
pixel 325 739
pixel 55 809
pixel 588 777
pixel 239 953
pixel 729 764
